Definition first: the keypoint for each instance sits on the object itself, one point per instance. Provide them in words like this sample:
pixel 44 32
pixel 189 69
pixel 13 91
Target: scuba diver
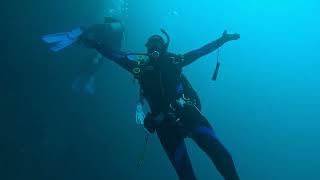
pixel 110 33
pixel 174 104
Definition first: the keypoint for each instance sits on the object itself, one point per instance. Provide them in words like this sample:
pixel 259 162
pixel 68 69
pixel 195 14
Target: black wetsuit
pixel 162 84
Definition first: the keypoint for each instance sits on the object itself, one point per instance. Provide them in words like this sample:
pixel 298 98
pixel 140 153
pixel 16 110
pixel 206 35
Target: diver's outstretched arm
pixel 198 53
pixel 119 58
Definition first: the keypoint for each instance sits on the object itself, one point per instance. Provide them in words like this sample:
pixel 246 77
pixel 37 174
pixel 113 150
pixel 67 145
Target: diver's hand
pixel 149 124
pixel 230 37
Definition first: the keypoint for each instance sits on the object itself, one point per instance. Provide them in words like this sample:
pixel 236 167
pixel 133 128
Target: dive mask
pixel 157 46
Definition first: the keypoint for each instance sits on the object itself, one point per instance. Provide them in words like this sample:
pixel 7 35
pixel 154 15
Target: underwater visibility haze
pixel 71 113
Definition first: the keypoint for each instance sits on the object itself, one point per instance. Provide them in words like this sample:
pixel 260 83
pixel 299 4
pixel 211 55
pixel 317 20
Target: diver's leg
pixel 206 139
pixel 176 150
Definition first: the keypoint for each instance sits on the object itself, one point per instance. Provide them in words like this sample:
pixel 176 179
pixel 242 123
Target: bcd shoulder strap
pixel 176 59
pixel 140 62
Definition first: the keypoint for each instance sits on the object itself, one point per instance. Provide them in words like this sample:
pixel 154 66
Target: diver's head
pixel 156 46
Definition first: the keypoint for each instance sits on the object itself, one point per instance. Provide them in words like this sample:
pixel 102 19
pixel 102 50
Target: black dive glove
pixel 155 121
pixel 229 37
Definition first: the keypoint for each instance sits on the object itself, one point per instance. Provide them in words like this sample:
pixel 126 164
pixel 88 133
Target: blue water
pixel 265 105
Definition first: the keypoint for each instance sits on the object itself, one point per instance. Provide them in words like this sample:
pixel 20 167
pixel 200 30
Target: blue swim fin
pixel 84 85
pixel 62 44
pixel 62 40
pixel 90 87
pixel 85 81
pixel 53 38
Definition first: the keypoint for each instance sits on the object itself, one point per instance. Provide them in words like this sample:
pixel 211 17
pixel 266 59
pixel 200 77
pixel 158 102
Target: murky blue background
pixel 264 107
